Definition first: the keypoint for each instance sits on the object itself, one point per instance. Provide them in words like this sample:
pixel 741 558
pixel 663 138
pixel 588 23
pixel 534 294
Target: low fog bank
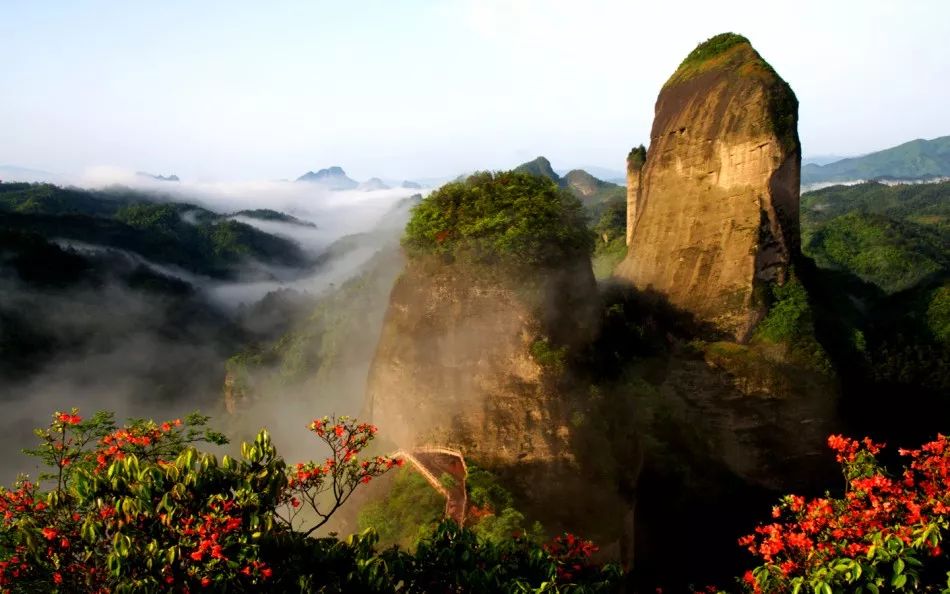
pixel 149 340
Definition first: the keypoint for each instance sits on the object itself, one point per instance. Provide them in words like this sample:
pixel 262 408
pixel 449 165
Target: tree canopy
pixel 500 218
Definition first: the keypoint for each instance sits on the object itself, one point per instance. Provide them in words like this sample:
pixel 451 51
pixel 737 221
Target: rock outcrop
pixel 583 185
pixel 471 364
pixel 635 161
pixel 716 212
pixel 477 356
pixel 539 167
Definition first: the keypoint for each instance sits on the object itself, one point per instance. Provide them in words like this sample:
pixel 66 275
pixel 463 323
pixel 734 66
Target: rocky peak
pixel 539 167
pixel 333 178
pixel 583 184
pixel 716 208
pixel 373 184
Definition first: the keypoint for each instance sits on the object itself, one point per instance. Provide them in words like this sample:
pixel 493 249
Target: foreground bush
pixel 140 508
pixel 884 534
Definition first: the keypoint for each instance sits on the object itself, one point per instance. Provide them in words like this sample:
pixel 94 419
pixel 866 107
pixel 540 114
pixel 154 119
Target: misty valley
pixel 719 371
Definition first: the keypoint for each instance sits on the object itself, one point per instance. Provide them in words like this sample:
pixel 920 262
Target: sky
pixel 250 90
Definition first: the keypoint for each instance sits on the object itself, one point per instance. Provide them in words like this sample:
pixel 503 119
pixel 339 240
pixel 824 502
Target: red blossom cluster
pixel 175 516
pixel 876 507
pixel 339 474
pixel 117 444
pixel 68 418
pixel 572 555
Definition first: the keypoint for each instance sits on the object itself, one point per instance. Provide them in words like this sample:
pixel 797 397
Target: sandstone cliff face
pixel 717 210
pixel 477 364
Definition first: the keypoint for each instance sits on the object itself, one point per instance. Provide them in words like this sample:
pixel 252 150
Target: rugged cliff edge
pixel 497 299
pixel 716 212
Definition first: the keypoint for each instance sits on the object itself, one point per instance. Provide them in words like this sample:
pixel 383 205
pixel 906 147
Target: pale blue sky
pixel 237 90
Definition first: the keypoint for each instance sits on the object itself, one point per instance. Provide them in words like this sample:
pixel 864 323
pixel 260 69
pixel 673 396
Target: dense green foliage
pixel 790 321
pixel 408 513
pixel 713 47
pixel 610 247
pixel 506 218
pixel 897 240
pixel 922 204
pixel 938 313
pixel 411 510
pixel 636 158
pixel 493 511
pixel 894 255
pixel 184 235
pixel 917 159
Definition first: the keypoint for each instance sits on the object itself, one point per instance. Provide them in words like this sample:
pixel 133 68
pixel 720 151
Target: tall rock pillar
pixel 716 215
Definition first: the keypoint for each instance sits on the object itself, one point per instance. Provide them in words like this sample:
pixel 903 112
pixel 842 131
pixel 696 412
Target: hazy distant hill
pixel 333 178
pixel 594 193
pixel 266 214
pixel 373 184
pixel 169 178
pixel 184 235
pixel 917 159
pixel 539 167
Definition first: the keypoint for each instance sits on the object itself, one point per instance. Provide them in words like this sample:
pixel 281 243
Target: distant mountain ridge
pixel 168 178
pixel 593 192
pixel 333 178
pixel 373 184
pixel 914 160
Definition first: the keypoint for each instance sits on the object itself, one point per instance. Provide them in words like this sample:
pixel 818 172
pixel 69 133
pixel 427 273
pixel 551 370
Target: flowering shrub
pixel 572 555
pixel 884 534
pixel 139 508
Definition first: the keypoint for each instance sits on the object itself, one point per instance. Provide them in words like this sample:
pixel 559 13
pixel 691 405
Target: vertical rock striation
pixel 716 212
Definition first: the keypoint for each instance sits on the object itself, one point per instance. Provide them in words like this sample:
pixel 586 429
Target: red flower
pixel 68 419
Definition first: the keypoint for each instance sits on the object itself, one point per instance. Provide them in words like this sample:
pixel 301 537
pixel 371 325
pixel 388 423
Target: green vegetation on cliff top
pixel 506 218
pixel 636 158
